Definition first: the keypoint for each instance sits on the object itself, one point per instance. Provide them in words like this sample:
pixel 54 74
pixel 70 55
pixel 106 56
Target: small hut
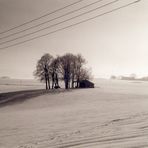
pixel 86 84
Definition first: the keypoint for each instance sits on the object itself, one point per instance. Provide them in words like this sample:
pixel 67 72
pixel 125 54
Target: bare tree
pixel 80 61
pixel 85 74
pixel 73 69
pixel 54 66
pixel 43 70
pixel 66 68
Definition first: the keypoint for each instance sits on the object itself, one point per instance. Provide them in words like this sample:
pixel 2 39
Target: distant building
pixel 127 78
pixel 86 84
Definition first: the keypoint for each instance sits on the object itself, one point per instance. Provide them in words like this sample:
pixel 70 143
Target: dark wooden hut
pixel 86 84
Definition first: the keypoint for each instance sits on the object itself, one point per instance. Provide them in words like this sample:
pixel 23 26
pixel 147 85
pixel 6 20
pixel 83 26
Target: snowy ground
pixel 113 115
pixel 10 85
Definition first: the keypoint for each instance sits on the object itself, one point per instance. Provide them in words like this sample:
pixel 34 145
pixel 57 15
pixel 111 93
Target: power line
pixel 50 20
pixel 64 28
pixel 59 22
pixel 49 13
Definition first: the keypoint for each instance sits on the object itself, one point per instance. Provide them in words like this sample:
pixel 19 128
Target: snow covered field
pixel 9 85
pixel 112 115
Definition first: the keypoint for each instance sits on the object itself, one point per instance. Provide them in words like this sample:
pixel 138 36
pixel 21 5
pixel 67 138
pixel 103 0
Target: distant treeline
pixel 69 68
pixel 131 77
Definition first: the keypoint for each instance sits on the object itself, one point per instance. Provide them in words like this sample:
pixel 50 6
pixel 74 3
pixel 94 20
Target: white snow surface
pixel 10 85
pixel 112 115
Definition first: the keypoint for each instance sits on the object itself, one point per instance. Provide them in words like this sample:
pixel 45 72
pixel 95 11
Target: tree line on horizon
pixel 69 68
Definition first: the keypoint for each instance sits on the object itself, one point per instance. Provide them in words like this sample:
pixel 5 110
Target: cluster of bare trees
pixel 69 68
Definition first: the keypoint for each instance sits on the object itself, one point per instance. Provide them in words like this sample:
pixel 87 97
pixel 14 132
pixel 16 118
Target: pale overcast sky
pixel 114 44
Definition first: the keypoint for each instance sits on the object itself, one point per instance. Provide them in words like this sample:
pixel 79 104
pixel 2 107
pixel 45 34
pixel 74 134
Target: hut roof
pixel 86 84
pixel 86 81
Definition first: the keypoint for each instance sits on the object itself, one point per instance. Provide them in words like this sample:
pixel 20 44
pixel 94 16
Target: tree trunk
pixel 78 82
pixel 72 81
pixel 46 84
pixel 56 81
pixel 53 80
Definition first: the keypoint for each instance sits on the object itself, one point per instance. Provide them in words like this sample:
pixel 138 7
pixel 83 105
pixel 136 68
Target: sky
pixel 113 44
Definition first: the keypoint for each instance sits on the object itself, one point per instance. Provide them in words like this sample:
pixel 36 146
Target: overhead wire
pixel 64 28
pixel 45 22
pixel 40 17
pixel 53 25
